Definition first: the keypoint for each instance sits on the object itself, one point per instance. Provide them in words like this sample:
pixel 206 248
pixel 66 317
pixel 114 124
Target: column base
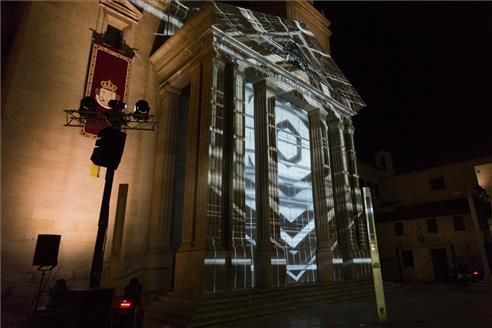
pixel 189 270
pixel 263 267
pixel 325 265
pixel 158 271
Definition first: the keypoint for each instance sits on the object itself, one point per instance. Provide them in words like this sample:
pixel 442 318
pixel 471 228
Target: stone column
pixel 357 203
pixel 209 177
pixel 159 258
pixel 342 195
pixel 192 140
pixel 216 225
pixel 241 253
pixel 358 206
pixel 189 263
pixel 324 210
pixel 267 225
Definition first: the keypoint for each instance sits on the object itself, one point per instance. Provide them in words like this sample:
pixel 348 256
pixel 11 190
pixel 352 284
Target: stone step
pixel 225 316
pixel 279 292
pixel 204 311
pixel 216 308
pixel 276 297
pixel 271 294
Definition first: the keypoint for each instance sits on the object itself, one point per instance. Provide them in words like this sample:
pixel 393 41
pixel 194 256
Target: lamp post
pixel 107 153
pixel 375 262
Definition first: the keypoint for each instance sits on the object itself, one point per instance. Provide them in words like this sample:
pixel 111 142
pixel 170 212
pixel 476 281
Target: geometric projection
pixel 249 173
pixel 297 224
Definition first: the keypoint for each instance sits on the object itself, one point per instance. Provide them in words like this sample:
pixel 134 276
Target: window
pixel 399 228
pixel 437 183
pixel 113 37
pixel 432 226
pixel 407 257
pixel 459 224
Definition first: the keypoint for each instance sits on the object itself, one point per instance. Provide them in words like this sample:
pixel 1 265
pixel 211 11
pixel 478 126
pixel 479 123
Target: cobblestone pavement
pixel 421 306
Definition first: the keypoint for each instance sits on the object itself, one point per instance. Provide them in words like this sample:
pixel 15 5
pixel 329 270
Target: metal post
pixel 97 259
pixel 38 296
pixel 479 235
pixel 376 265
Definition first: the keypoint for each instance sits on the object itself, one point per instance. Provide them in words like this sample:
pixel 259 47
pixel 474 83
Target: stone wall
pixel 46 187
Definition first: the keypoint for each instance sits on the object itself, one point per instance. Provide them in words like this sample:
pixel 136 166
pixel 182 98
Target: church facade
pixel 248 181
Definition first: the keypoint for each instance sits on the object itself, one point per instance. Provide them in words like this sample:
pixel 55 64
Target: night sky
pixel 423 68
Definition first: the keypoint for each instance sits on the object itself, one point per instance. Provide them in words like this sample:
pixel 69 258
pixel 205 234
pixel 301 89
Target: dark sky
pixel 423 68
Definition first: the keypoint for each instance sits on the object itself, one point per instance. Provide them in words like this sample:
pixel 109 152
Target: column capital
pixel 349 127
pixel 222 57
pixel 335 122
pixel 320 113
pixel 168 88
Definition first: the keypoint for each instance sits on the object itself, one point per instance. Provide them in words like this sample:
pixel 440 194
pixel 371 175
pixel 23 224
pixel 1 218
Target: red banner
pixel 107 79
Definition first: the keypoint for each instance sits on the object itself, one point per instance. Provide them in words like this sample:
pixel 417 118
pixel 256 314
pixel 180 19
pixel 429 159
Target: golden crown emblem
pixel 109 85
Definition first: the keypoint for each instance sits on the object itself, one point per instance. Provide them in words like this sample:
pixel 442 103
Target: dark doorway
pixel 440 263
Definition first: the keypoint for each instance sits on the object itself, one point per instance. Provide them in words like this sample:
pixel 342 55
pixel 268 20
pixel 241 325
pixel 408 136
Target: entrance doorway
pixel 440 263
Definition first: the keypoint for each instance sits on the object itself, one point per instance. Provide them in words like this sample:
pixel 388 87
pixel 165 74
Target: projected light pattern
pixel 297 223
pixel 288 44
pixel 249 174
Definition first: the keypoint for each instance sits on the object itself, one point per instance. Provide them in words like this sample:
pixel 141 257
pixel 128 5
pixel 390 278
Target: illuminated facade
pixel 277 200
pixel 250 179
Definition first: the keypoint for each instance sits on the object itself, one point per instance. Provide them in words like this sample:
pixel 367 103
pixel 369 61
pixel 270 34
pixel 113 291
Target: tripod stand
pixel 43 270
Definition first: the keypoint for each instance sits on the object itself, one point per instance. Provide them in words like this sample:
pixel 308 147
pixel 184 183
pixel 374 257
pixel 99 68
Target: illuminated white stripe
pixel 215 261
pixel 357 261
pixel 279 262
pixel 294 241
pixel 302 267
pixel 241 261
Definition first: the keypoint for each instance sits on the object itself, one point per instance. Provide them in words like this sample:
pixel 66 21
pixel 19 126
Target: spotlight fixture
pixel 107 152
pixel 141 110
pixel 116 117
pixel 87 108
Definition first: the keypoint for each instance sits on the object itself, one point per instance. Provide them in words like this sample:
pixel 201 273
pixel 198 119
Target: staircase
pixel 216 308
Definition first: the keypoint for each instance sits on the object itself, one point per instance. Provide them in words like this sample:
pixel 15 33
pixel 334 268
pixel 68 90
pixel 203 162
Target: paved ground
pixel 422 306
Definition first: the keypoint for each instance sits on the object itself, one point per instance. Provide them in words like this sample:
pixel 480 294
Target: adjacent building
pixel 434 218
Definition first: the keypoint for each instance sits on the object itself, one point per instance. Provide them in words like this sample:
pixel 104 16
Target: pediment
pixel 124 8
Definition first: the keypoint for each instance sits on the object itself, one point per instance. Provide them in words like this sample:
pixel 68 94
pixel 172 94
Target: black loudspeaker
pixel 109 147
pixel 46 253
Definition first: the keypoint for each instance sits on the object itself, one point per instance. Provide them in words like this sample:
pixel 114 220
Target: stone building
pixel 249 179
pixel 434 218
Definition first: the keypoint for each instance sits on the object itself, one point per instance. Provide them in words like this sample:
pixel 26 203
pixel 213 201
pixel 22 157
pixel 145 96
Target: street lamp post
pixel 375 262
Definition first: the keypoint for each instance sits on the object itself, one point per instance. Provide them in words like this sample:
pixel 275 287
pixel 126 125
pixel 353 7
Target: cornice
pixel 308 8
pixel 278 72
pixel 122 8
pixel 186 45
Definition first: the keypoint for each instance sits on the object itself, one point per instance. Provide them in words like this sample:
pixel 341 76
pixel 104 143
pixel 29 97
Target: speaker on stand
pixel 46 259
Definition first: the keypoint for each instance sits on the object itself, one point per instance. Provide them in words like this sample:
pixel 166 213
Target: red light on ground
pixel 475 273
pixel 125 304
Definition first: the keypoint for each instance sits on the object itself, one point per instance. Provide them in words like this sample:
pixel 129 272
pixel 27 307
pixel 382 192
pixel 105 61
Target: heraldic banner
pixel 107 79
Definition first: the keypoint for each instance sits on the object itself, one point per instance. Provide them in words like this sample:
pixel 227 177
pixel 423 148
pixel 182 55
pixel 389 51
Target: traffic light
pixel 109 147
